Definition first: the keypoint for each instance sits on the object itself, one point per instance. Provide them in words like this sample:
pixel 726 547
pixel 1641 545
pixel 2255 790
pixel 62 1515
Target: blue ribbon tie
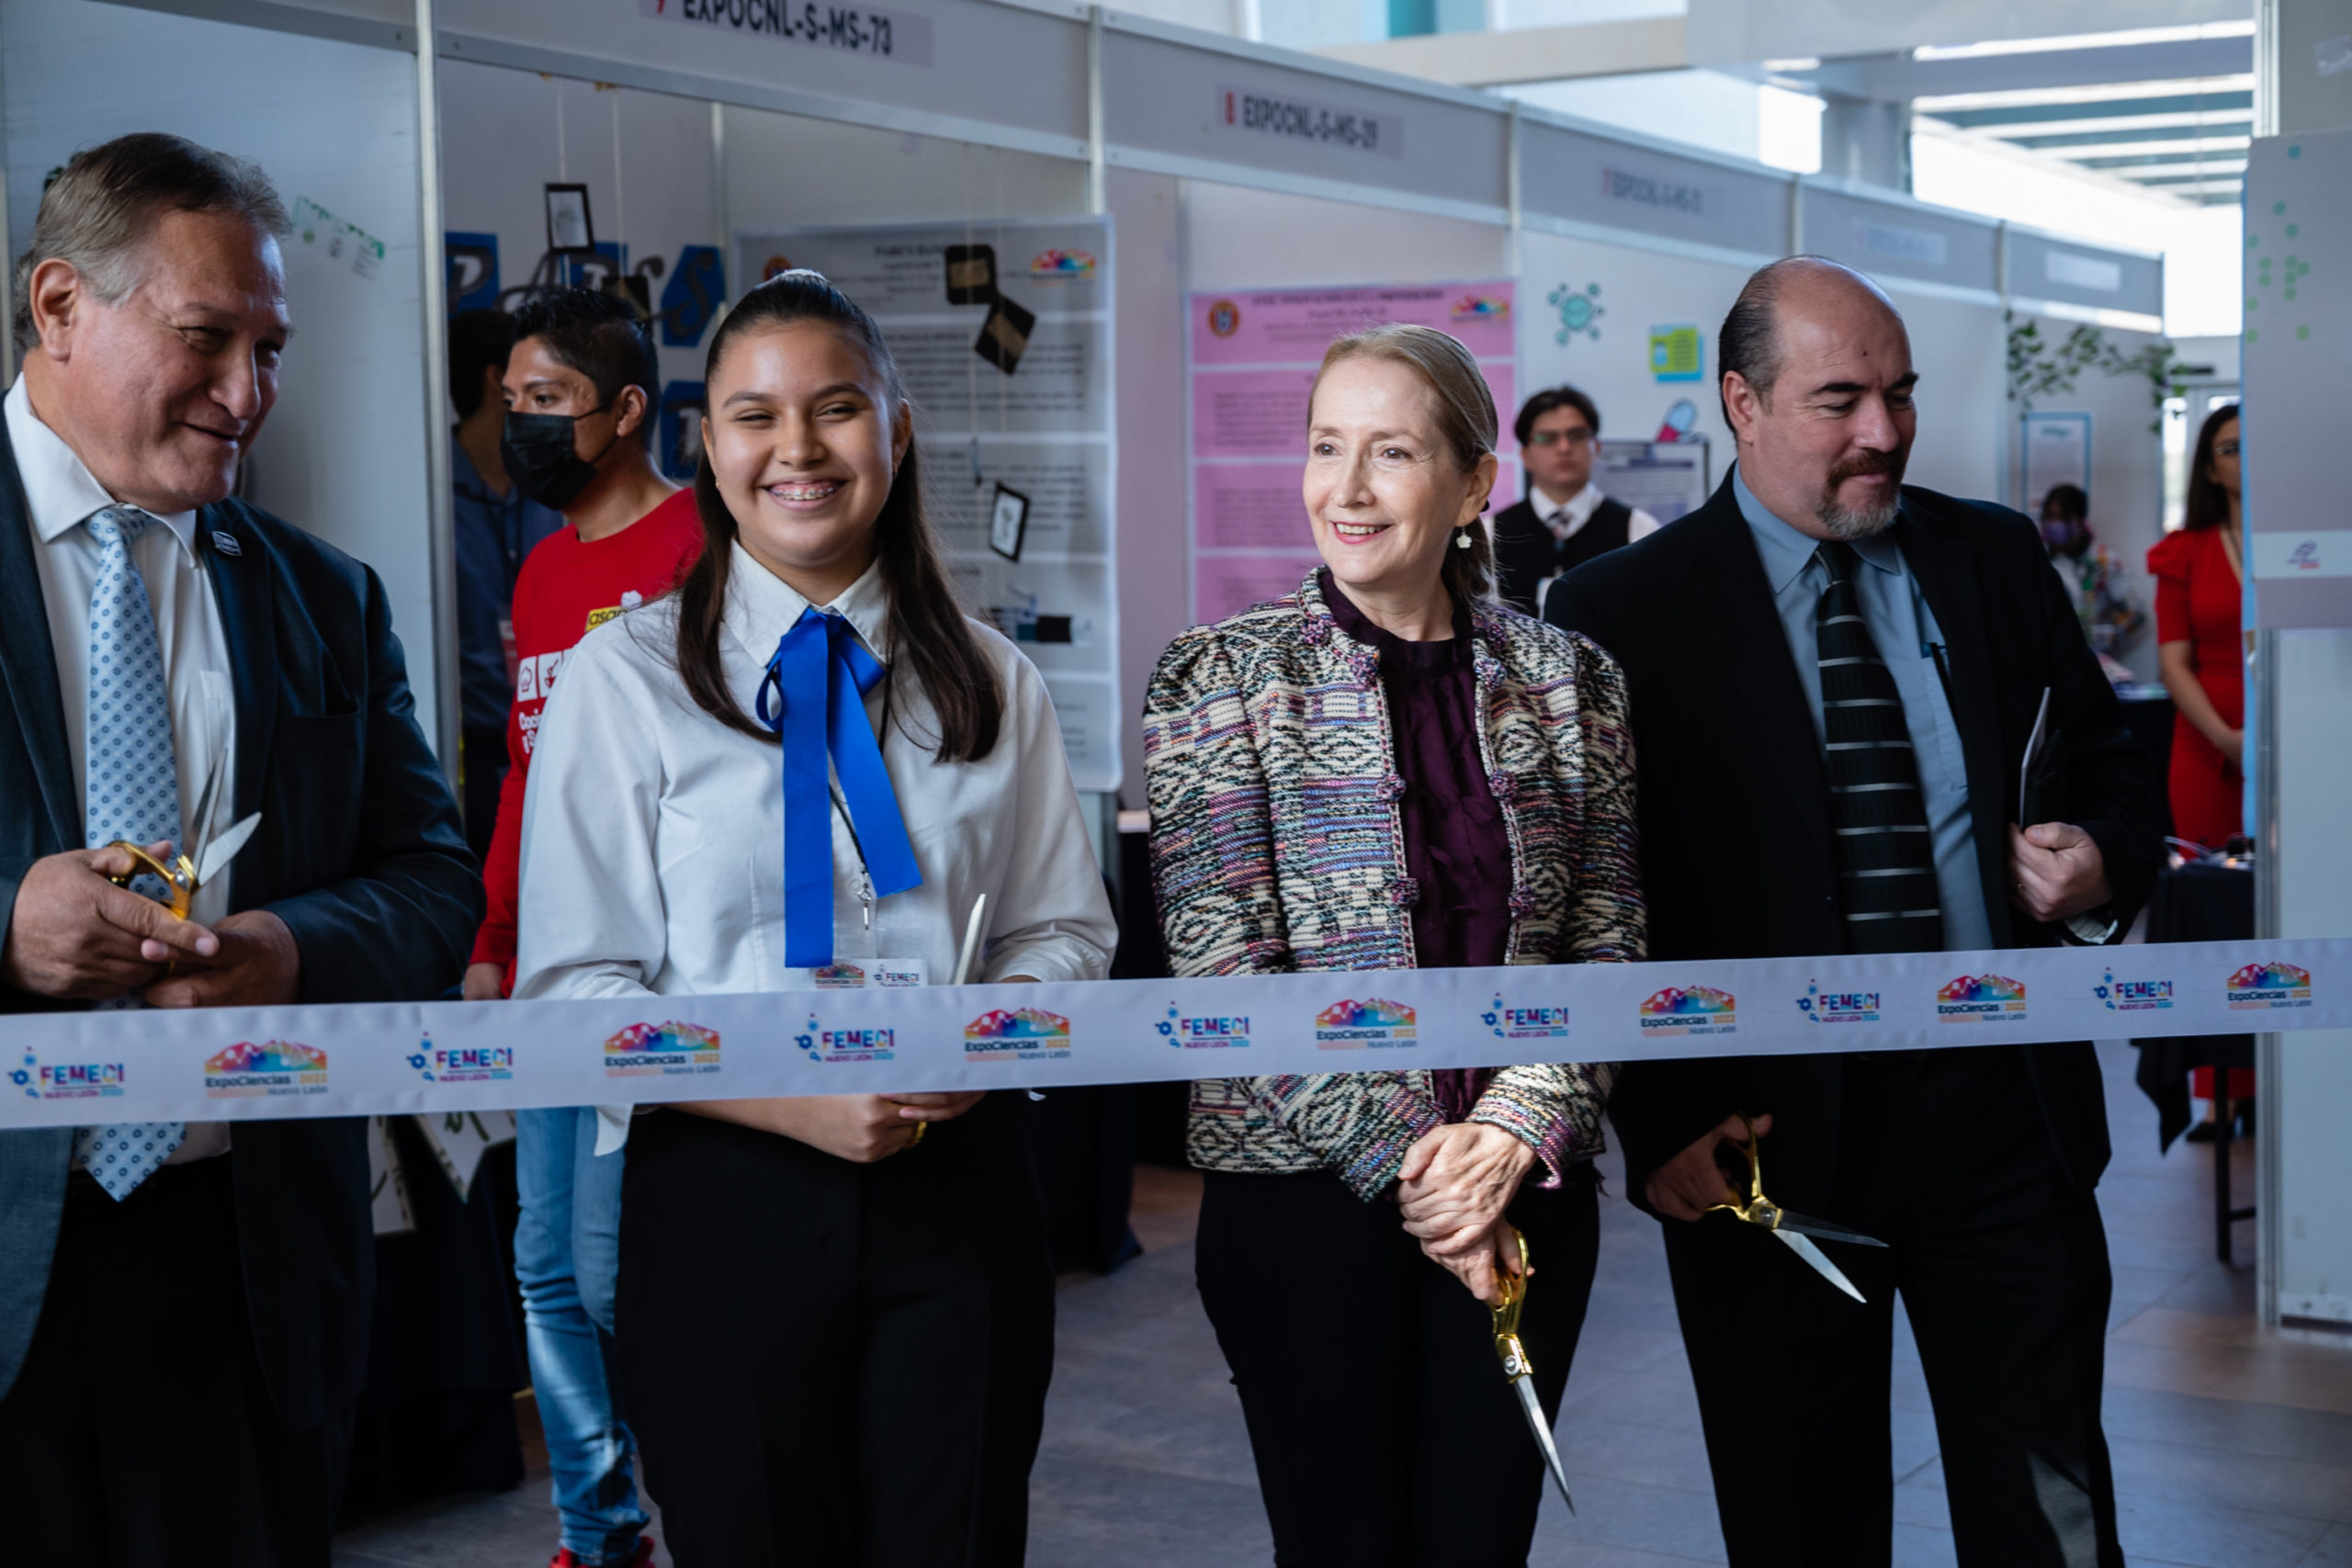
pixel 821 674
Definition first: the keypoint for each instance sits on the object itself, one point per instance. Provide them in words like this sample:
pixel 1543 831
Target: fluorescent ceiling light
pixel 2103 92
pixel 2122 40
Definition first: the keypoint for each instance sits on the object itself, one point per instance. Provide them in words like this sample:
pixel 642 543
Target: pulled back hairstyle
pixel 930 642
pixel 1466 422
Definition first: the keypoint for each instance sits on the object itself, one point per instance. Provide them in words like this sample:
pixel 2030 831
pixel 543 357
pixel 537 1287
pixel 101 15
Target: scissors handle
pixel 1513 1288
pixel 179 875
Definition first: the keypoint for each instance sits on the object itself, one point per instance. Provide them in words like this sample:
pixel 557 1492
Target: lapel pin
pixel 226 543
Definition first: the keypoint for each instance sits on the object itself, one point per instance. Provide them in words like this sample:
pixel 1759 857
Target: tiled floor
pixel 2233 1448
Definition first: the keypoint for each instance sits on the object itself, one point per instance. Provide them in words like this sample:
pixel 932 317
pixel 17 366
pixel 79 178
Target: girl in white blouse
pixel 835 1314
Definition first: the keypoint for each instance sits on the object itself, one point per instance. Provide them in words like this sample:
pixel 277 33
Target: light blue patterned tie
pixel 131 790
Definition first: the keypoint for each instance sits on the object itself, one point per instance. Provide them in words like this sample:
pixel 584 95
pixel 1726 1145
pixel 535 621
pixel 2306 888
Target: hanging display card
pixel 1251 357
pixel 1002 335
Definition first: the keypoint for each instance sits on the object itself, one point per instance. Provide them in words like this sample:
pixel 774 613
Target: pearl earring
pixel 1462 540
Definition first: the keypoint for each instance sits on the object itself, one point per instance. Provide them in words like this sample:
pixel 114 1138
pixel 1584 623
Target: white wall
pixel 499 149
pixel 342 454
pixel 2127 486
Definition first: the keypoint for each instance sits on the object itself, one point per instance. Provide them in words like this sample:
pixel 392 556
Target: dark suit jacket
pixel 360 853
pixel 1527 555
pixel 1736 851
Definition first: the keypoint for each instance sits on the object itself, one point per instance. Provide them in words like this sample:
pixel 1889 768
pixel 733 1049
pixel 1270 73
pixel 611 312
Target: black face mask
pixel 542 457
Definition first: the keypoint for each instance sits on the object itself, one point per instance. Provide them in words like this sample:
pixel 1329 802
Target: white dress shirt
pixel 653 835
pixel 61 494
pixel 1567 518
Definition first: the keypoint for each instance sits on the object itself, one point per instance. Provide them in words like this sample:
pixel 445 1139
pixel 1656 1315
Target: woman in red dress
pixel 2200 652
pixel 2200 584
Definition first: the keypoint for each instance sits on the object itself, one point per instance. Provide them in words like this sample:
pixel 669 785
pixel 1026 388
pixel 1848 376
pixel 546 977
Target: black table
pixel 2201 901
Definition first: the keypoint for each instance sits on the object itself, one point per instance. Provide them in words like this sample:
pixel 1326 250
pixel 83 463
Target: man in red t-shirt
pixel 581 389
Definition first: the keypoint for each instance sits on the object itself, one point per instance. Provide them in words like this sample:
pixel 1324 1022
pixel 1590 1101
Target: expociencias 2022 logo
pixel 1690 1009
pixel 1351 1025
pixel 1026 1035
pixel 1981 999
pixel 1209 1032
pixel 2271 985
pixel 246 1071
pixel 662 1050
pixel 1838 1007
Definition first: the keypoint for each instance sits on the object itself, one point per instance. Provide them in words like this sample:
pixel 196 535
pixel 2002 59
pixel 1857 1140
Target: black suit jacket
pixel 1736 852
pixel 360 853
pixel 1527 556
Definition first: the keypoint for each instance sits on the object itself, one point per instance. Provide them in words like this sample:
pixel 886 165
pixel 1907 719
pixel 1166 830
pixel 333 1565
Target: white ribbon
pixel 72 1069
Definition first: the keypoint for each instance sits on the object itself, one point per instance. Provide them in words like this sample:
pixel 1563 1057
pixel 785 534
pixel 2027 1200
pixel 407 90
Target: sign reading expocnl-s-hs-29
pixel 898 36
pixel 1302 120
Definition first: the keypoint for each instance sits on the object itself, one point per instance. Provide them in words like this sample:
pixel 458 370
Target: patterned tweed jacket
pixel 1277 846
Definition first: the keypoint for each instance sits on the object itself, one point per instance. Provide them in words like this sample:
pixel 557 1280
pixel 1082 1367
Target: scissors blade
pixel 1805 1248
pixel 1808 1224
pixel 222 850
pixel 1543 1431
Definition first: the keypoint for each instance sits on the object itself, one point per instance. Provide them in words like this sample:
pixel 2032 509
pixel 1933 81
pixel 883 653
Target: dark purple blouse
pixel 1457 849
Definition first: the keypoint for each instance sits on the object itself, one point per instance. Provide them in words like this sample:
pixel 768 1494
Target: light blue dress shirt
pixel 1905 631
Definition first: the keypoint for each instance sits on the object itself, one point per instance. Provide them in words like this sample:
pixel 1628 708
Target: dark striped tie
pixel 1886 864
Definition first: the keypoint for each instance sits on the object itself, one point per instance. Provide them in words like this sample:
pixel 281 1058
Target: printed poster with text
pixel 1251 357
pixel 1002 335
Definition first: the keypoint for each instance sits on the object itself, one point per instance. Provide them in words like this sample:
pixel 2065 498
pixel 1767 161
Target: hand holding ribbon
pixel 821 674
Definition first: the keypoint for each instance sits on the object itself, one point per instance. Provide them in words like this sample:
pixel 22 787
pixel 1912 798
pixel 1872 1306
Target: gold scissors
pixel 1520 1370
pixel 1795 1229
pixel 183 875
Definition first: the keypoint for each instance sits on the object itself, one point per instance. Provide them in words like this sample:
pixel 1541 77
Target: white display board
pixel 1003 335
pixel 1666 478
pixel 341 454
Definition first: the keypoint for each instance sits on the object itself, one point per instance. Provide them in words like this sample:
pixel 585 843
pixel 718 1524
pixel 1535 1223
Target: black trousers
pixel 1384 1433
pixel 140 1432
pixel 834 1364
pixel 2002 1265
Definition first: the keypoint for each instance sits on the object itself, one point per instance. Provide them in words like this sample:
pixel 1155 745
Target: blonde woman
pixel 1387 770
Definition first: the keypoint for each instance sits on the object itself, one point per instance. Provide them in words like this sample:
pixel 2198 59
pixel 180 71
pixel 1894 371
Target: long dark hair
pixel 2208 504
pixel 930 641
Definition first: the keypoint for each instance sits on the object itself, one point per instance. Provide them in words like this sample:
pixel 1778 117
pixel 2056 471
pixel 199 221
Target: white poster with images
pixel 1002 334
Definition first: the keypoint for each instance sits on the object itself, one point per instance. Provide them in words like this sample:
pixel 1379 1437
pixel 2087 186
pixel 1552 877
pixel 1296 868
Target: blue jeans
pixel 567 1255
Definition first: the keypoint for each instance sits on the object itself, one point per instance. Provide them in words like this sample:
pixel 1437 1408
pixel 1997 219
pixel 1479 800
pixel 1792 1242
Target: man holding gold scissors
pixel 184 679
pixel 1846 696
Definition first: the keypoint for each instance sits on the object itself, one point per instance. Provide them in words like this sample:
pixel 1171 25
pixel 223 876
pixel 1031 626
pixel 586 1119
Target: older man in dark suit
pixel 1834 681
pixel 184 1309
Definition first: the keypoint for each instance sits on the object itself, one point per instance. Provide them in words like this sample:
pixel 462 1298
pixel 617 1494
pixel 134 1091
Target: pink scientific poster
pixel 1251 359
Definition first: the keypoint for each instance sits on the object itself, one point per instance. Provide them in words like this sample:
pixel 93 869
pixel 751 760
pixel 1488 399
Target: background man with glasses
pixel 1565 520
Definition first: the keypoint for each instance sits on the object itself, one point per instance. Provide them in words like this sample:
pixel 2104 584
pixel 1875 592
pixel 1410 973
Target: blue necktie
pixel 131 790
pixel 821 674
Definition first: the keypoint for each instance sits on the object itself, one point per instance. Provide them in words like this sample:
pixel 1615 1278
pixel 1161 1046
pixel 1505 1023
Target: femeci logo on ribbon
pixel 2132 996
pixel 1838 1007
pixel 68 1080
pixel 823 1044
pixel 462 1064
pixel 1981 999
pixel 1213 1031
pixel 247 1071
pixel 1690 1009
pixel 662 1050
pixel 1353 1025
pixel 2261 986
pixel 1511 1021
pixel 1023 1034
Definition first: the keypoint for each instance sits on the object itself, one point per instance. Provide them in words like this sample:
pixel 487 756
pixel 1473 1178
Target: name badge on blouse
pixel 831 1039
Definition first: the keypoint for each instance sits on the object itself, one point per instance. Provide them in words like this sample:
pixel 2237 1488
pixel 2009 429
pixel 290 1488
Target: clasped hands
pixel 73 935
pixel 1452 1190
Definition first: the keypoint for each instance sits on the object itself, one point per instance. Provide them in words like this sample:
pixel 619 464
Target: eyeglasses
pixel 1557 438
pixel 2225 449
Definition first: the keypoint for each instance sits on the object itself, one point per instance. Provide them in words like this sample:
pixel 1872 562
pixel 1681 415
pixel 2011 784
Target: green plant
pixel 2040 368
